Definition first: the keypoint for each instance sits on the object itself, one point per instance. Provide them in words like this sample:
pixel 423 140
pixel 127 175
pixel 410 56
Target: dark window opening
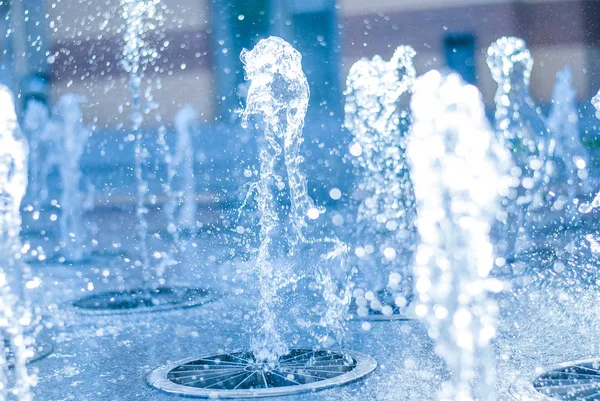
pixel 313 37
pixel 250 23
pixel 459 49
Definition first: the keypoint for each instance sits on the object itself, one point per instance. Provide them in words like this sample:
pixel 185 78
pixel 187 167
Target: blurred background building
pixel 59 46
pixel 54 47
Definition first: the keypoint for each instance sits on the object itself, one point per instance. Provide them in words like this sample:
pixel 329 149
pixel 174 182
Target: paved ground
pixel 551 315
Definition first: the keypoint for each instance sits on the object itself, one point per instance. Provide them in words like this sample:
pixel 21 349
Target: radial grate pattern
pixel 238 375
pixel 144 300
pixel 41 349
pixel 572 381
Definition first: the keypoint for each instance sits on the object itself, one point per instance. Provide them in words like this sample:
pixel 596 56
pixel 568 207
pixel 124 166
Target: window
pixel 459 49
pixel 250 23
pixel 314 39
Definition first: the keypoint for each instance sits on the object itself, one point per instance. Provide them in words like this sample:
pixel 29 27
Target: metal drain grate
pixel 570 381
pixel 144 300
pixel 41 350
pixel 238 375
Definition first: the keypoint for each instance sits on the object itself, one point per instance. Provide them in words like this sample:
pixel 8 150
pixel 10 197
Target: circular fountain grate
pixel 144 300
pixel 569 381
pixel 237 375
pixel 41 349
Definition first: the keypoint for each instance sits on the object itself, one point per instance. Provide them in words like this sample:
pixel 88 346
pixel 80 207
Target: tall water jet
pixel 150 294
pixel 13 312
pixel 566 142
pixel 41 159
pixel 522 129
pixel 73 137
pixel 385 219
pixel 459 171
pixel 183 161
pixel 293 283
pixel 279 93
pixel 595 203
pixel 268 96
pixel 142 18
pixel 170 258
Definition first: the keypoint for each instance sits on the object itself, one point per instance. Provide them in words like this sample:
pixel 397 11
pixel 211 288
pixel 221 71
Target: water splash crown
pixel 510 60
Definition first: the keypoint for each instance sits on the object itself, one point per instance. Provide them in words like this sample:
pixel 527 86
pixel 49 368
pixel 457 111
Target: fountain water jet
pixel 168 259
pixel 278 93
pixel 183 159
pixel 267 343
pixel 522 130
pixel 386 215
pixel 67 125
pixel 13 312
pixel 459 171
pixel 43 155
pixel 595 203
pixel 575 379
pixel 566 143
pixel 142 17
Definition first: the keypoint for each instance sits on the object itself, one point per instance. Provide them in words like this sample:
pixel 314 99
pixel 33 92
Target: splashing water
pixel 566 143
pixel 35 119
pixel 170 258
pixel 13 175
pixel 73 137
pixel 374 89
pixel 596 102
pixel 595 203
pixel 142 18
pixel 270 66
pixel 45 147
pixel 13 313
pixel 279 93
pixel 183 161
pixel 522 130
pixel 459 170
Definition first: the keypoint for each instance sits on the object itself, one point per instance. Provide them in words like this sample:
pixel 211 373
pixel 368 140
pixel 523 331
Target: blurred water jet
pixel 460 171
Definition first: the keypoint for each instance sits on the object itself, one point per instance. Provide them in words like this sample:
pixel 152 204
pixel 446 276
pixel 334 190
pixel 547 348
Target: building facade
pixel 76 46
